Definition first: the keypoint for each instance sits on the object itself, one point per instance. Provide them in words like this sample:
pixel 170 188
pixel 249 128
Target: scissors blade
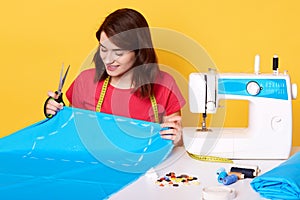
pixel 62 78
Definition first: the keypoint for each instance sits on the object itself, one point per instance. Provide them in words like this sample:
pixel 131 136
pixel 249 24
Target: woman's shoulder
pixel 87 74
pixel 165 77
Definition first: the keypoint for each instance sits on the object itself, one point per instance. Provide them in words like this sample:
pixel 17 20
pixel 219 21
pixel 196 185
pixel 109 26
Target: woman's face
pixel 117 61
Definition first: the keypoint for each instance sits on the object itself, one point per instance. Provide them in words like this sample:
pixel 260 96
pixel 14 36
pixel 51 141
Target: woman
pixel 126 80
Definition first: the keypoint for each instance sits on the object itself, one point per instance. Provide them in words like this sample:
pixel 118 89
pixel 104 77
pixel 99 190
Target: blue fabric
pixel 78 154
pixel 282 182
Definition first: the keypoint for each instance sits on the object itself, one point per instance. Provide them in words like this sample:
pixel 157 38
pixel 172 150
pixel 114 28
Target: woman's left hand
pixel 174 131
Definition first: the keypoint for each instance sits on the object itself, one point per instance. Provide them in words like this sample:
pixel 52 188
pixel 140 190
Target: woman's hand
pixel 174 131
pixel 52 106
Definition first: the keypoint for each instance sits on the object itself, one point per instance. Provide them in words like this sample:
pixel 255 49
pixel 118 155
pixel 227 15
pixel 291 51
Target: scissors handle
pixel 58 100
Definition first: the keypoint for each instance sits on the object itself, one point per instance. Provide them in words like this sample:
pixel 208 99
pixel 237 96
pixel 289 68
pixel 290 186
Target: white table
pixel 145 187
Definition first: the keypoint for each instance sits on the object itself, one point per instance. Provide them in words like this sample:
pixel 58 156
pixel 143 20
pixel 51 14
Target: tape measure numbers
pixel 102 94
pixel 209 158
pixel 154 107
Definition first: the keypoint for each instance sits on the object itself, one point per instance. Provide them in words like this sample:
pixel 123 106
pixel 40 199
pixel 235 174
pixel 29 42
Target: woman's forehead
pixel 105 42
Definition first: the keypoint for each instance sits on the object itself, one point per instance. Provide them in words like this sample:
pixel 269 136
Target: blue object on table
pixel 78 154
pixel 282 182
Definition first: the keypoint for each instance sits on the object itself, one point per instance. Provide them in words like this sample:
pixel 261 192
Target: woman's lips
pixel 112 67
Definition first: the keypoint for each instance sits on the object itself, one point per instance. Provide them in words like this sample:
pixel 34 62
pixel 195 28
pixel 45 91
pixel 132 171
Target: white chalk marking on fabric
pixel 40 138
pixel 65 124
pixel 140 158
pixel 79 161
pixel 92 116
pixel 49 158
pixel 53 133
pixel 120 120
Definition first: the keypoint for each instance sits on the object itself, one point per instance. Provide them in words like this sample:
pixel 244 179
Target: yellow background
pixel 37 36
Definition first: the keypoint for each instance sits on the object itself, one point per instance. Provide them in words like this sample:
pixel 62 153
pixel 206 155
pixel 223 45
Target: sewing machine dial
pixel 253 88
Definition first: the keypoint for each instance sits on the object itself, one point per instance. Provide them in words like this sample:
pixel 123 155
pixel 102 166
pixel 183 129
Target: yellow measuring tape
pixel 103 92
pixel 154 107
pixel 209 158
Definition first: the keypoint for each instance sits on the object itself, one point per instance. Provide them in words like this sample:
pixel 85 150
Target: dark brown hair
pixel 129 30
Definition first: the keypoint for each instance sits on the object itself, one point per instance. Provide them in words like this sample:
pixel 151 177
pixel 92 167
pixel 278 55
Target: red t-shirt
pixel 84 93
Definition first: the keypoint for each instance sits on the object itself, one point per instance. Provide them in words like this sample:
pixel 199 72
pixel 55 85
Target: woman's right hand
pixel 52 106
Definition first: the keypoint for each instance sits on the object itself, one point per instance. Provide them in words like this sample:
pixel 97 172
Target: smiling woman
pixel 126 80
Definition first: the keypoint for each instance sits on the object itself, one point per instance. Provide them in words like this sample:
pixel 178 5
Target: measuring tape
pixel 210 158
pixel 103 92
pixel 154 107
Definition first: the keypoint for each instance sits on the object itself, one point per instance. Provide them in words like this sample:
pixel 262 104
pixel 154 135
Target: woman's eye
pixel 119 53
pixel 104 50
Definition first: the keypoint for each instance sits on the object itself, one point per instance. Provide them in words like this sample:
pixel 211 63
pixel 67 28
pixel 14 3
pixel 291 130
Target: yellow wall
pixel 37 36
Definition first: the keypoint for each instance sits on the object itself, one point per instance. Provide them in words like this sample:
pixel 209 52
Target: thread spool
pixel 222 169
pixel 275 65
pixel 221 176
pixel 238 174
pixel 229 179
pixel 254 167
pixel 248 173
pixel 256 64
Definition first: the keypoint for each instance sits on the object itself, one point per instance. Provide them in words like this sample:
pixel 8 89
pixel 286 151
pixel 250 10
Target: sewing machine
pixel 269 131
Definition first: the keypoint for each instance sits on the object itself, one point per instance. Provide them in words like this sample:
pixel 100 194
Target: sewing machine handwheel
pixel 253 88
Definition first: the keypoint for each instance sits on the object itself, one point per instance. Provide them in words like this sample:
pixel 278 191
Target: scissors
pixel 58 92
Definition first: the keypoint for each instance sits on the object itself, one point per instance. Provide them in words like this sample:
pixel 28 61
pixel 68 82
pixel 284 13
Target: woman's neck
pixel 122 82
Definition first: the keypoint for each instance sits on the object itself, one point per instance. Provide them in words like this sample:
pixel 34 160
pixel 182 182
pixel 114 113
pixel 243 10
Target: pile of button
pixel 171 179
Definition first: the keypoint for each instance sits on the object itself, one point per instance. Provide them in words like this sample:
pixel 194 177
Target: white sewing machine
pixel 269 131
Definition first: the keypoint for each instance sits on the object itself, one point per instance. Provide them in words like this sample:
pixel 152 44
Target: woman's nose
pixel 109 57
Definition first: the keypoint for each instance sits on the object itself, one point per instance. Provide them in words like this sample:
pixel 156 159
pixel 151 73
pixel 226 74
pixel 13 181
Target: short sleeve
pixel 69 93
pixel 168 94
pixel 81 93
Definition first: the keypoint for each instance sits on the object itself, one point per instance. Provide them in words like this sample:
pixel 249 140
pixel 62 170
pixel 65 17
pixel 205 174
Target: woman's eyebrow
pixel 117 49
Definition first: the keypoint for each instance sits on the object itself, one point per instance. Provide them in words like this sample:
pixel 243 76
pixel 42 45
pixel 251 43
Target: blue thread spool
pixel 221 176
pixel 222 169
pixel 230 179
